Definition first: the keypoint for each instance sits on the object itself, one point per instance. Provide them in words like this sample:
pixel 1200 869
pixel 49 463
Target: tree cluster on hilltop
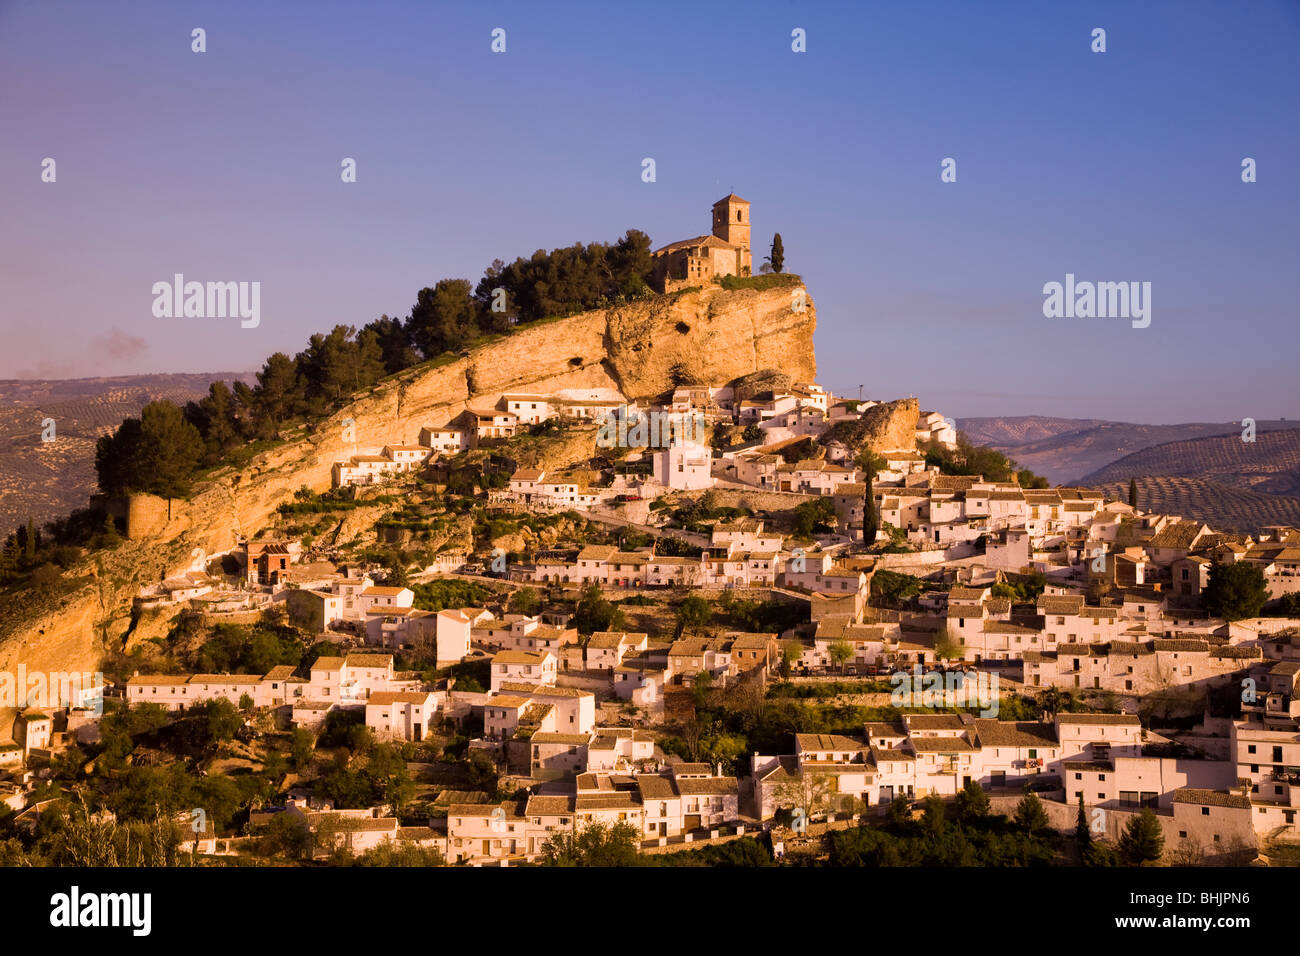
pixel 971 459
pixel 161 451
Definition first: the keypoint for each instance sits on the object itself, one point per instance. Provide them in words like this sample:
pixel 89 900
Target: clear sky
pixel 1123 165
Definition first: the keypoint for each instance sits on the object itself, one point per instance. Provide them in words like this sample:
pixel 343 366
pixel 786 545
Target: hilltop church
pixel 696 261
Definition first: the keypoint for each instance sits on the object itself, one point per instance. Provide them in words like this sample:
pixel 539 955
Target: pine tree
pixel 777 258
pixel 1143 841
pixel 972 802
pixel 1030 814
pixel 29 541
pixel 1132 493
pixel 1081 831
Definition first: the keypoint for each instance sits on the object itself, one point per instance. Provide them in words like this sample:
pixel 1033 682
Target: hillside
pixel 1064 456
pixel 42 480
pixel 642 349
pixel 1270 464
pixel 1222 507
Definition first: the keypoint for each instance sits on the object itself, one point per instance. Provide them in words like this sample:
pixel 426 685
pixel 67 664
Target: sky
pixel 1123 165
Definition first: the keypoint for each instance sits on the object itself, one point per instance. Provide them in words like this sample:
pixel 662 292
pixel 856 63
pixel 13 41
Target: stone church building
pixel 696 261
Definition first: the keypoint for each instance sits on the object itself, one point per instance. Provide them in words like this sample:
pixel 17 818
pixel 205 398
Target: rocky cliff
pixel 641 349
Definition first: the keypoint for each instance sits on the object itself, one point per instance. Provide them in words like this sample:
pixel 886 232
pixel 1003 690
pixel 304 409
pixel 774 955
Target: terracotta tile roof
pixel 1099 720
pixel 1211 798
pixel 1015 733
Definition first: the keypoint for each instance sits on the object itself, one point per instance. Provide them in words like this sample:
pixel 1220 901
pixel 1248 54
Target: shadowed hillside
pixel 1270 464
pixel 1220 506
pixel 1083 450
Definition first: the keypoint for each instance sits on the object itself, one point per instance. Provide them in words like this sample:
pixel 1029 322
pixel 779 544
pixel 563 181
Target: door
pixel 692 821
pixel 487 847
pixel 663 828
pixel 415 733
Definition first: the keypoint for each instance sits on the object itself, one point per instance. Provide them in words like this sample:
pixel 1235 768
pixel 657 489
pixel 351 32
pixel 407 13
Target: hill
pixel 1064 456
pixel 1270 464
pixel 1020 429
pixel 642 349
pixel 43 480
pixel 1222 507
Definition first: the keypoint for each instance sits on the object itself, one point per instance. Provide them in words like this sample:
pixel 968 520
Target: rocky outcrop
pixel 642 349
pixel 889 426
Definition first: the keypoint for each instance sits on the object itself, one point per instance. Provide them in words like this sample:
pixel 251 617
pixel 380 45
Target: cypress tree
pixel 1132 493
pixel 870 518
pixel 777 258
pixel 1081 831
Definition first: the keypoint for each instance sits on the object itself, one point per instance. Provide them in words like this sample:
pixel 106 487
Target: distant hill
pixel 1066 454
pixel 1270 464
pixel 1020 429
pixel 44 480
pixel 1222 507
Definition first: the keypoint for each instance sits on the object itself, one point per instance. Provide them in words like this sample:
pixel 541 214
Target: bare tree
pixel 812 791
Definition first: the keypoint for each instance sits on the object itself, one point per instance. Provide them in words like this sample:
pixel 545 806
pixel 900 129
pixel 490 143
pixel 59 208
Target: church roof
pixel 709 241
pixel 731 197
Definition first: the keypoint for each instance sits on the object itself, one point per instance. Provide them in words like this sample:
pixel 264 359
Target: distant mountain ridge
pixel 1018 430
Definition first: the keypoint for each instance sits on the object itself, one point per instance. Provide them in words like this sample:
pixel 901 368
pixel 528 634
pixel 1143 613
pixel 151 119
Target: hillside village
pixel 608 597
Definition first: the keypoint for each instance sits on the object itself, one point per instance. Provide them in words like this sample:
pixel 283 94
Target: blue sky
pixel 1116 166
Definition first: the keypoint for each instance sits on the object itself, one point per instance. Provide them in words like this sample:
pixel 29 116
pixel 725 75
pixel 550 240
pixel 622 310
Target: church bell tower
pixel 731 224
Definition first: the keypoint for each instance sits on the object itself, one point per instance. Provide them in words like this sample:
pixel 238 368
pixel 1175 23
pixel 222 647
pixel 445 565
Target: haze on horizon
pixel 1122 166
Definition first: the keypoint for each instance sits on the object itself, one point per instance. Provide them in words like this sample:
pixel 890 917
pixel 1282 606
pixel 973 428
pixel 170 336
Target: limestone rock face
pixel 888 426
pixel 641 349
pixel 60 641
